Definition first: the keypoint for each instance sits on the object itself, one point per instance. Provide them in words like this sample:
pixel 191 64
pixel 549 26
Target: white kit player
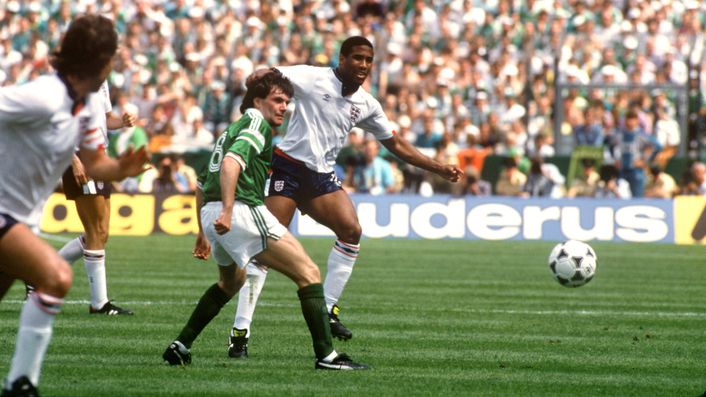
pixel 41 123
pixel 329 103
pixel 92 198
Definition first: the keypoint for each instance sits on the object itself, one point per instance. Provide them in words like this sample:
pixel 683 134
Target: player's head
pixel 270 94
pixel 86 51
pixel 355 60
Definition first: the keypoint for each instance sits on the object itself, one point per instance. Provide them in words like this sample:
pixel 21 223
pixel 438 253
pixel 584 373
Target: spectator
pixel 585 184
pixel 475 186
pixel 660 184
pixel 537 183
pixel 611 185
pixel 511 181
pixel 591 131
pixel 636 149
pixel 217 108
pixel 168 179
pixel 375 176
pixel 694 181
pixel 668 135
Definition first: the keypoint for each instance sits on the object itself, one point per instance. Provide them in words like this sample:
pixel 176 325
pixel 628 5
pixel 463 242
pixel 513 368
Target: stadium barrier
pixel 681 220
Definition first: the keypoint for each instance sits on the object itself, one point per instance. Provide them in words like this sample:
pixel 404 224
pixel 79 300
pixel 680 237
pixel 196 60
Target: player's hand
pixel 222 224
pixel 451 173
pixel 129 119
pixel 134 162
pixel 79 172
pixel 202 248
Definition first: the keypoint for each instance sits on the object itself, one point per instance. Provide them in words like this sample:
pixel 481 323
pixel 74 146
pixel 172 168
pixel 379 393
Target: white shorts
pixel 250 229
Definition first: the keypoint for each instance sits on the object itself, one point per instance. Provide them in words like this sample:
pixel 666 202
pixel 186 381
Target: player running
pixel 234 221
pixel 329 103
pixel 41 122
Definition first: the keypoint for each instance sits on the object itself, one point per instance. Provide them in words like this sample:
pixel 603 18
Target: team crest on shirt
pixel 99 184
pixel 355 113
pixel 278 186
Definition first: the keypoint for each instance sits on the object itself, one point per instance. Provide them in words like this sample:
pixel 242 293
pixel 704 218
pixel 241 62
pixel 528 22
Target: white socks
pixel 248 295
pixel 94 260
pixel 33 336
pixel 72 250
pixel 339 268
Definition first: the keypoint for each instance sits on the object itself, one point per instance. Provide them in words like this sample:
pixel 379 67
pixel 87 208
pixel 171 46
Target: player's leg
pixel 283 209
pixel 336 211
pixel 230 280
pixel 287 256
pixel 26 257
pixel 247 300
pixel 73 250
pixel 94 212
pixel 231 277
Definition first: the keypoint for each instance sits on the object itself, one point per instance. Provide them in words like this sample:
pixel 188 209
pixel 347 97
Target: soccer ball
pixel 573 263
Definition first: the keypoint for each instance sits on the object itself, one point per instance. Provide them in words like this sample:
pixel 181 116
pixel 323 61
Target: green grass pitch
pixel 467 318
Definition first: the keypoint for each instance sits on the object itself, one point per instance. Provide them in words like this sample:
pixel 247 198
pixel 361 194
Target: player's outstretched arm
pixel 407 152
pixel 99 166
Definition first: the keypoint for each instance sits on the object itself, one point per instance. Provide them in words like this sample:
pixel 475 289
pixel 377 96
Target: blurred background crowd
pixel 526 81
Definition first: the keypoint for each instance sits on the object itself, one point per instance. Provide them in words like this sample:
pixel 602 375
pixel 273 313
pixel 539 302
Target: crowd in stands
pixel 461 79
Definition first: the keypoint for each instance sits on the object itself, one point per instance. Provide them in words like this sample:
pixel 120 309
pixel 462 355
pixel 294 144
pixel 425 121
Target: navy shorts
pixel 6 223
pixel 72 190
pixel 291 178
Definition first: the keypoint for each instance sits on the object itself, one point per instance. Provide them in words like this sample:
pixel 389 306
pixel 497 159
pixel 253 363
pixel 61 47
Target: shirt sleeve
pixel 24 103
pixel 377 123
pixel 105 96
pixel 301 76
pixel 91 135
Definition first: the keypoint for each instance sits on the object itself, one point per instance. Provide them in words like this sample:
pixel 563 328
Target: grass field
pixel 432 318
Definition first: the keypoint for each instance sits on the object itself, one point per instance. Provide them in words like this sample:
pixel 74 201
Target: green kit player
pixel 236 225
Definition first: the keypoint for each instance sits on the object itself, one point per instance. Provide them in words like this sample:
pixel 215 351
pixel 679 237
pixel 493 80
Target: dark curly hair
pixel 353 41
pixel 262 86
pixel 87 46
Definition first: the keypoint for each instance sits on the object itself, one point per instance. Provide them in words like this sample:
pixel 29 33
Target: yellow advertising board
pixel 690 219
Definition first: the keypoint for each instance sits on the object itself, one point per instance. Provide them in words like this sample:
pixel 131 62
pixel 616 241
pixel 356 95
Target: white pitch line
pixel 54 237
pixel 477 311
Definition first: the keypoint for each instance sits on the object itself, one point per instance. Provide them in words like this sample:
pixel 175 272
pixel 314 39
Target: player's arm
pixel 99 166
pixel 231 166
pixel 114 122
pixel 78 170
pixel 202 248
pixel 407 152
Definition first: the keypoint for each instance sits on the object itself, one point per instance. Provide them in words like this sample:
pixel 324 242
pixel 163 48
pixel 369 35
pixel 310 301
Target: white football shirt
pixel 39 130
pixel 322 117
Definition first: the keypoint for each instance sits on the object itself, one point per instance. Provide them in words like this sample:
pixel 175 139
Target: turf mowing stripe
pixel 479 311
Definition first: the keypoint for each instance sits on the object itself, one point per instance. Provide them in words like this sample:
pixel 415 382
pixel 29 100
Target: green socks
pixel 208 307
pixel 316 316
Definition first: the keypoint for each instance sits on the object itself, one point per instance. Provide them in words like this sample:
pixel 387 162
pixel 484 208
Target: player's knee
pixel 231 285
pixel 102 234
pixel 350 233
pixel 57 280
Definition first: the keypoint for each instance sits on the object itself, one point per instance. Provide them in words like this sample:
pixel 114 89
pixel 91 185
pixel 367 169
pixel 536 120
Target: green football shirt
pixel 250 137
